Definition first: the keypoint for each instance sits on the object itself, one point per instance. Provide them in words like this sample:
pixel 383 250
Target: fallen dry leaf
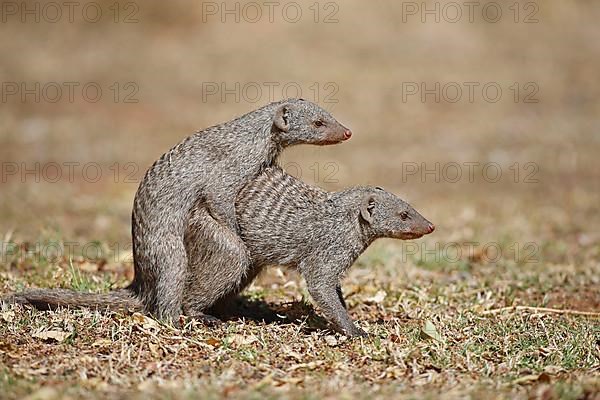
pixel 378 298
pixel 237 339
pixel 311 365
pixel 8 316
pixel 213 342
pixel 429 331
pixel 102 343
pixel 145 321
pixel 155 349
pixel 51 335
pixel 528 379
pixel 331 340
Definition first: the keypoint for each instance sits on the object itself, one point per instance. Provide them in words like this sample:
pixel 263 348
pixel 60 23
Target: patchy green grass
pixel 428 336
pixel 425 307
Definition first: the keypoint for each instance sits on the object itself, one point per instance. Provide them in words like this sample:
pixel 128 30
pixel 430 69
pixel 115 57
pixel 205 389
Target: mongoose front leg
pixel 218 263
pixel 327 297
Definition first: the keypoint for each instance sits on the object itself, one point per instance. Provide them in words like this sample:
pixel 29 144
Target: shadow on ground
pixel 294 312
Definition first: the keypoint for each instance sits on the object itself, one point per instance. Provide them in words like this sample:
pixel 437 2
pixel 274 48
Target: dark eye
pixel 404 215
pixel 319 123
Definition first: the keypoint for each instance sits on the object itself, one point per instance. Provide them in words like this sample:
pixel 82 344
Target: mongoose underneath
pixel 283 221
pixel 207 170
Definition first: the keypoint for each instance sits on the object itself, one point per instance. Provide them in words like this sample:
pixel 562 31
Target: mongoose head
pixel 300 121
pixel 389 216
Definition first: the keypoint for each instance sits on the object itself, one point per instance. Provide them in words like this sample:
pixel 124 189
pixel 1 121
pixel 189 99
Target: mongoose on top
pixel 207 170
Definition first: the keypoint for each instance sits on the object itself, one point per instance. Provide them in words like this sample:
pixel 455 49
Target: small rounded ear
pixel 281 120
pixel 366 208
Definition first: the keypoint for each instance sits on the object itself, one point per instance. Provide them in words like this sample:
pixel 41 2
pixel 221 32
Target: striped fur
pixel 283 221
pixel 206 170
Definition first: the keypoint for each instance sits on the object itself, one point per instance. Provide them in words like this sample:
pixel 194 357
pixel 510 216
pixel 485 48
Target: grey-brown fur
pixel 207 170
pixel 50 299
pixel 286 222
pixel 282 221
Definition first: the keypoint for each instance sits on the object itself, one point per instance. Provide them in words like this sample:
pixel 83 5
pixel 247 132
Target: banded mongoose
pixel 207 170
pixel 283 221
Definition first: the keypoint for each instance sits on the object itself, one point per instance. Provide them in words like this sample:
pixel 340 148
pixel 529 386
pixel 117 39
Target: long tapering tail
pixel 50 299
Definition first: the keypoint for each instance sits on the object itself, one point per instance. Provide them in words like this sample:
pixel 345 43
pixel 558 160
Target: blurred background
pixel 484 117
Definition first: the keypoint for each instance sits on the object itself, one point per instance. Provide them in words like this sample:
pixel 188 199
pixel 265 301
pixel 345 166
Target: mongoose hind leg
pixel 225 306
pixel 218 263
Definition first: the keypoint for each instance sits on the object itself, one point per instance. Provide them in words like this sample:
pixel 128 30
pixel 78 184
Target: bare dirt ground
pixel 512 184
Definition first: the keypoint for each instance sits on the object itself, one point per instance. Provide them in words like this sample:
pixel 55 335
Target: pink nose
pixel 431 227
pixel 347 134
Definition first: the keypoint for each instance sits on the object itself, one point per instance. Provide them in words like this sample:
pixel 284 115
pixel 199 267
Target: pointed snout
pixel 347 134
pixel 431 228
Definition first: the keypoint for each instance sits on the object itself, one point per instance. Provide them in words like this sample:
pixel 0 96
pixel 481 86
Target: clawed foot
pixel 207 320
pixel 353 332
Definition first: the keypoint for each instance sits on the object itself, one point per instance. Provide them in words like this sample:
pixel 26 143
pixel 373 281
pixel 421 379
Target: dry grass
pixel 278 346
pixel 546 231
